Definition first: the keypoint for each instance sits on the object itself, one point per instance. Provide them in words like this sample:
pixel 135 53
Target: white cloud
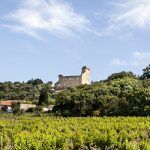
pixel 118 62
pixel 136 59
pixel 130 13
pixel 59 18
pixel 52 16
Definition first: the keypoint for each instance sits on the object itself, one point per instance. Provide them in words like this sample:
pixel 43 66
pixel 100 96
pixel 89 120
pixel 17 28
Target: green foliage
pixel 49 133
pixel 22 91
pixel 35 81
pixel 125 96
pixel 121 75
pixel 31 110
pixel 17 110
pixel 146 73
pixel 44 98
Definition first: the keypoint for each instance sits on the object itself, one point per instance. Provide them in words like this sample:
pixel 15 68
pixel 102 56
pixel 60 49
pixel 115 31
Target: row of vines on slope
pixel 111 133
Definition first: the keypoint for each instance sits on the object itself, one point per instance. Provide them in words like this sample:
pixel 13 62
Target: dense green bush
pixel 124 96
pixel 29 90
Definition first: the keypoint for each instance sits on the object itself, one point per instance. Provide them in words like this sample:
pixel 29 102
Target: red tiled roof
pixel 10 102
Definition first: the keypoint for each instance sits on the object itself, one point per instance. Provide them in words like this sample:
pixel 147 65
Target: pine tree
pixel 44 97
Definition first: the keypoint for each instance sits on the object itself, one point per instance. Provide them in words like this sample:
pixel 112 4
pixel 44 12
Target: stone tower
pixel 85 75
pixel 73 81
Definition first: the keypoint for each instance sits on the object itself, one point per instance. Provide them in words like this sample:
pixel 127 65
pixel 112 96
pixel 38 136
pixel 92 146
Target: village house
pixel 7 104
pixel 49 108
pixel 26 106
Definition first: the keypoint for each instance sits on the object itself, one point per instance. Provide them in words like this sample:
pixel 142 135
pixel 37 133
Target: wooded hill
pixel 122 94
pixel 29 90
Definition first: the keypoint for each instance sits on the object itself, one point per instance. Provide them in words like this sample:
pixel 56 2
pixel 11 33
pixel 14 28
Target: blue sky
pixel 44 38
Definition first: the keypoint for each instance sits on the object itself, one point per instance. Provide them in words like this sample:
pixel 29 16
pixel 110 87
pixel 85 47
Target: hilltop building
pixel 73 81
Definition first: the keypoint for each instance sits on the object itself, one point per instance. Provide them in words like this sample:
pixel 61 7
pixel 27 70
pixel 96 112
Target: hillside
pixel 122 94
pixel 29 90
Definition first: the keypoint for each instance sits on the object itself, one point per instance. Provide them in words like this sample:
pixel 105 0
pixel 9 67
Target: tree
pixel 146 73
pixel 44 96
pixel 21 91
pixel 35 81
pixel 121 75
pixel 16 109
pixel 118 97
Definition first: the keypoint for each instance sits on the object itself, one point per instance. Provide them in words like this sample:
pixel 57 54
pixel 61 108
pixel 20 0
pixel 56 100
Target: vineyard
pixel 51 133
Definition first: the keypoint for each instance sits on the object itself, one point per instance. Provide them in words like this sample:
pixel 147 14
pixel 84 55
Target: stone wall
pixel 73 81
pixel 68 81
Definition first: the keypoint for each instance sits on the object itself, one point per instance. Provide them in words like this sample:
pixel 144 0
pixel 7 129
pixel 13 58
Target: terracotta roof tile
pixel 10 102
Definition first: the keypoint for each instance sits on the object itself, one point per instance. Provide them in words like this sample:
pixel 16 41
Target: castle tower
pixel 85 75
pixel 73 81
